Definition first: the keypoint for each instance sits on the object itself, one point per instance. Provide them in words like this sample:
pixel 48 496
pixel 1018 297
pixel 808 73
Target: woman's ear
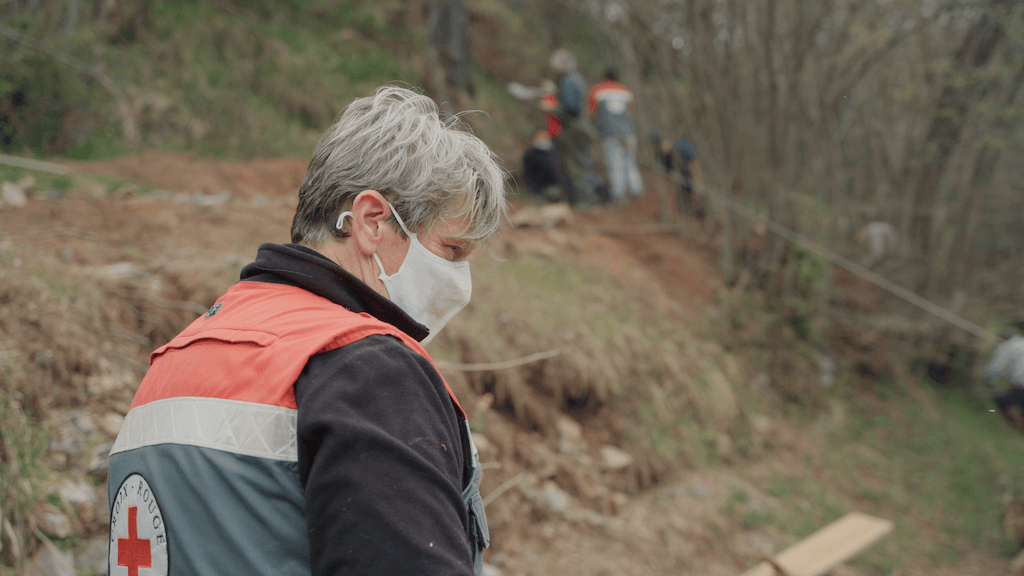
pixel 370 211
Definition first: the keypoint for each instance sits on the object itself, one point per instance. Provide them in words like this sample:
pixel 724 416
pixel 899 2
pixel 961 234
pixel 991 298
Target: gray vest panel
pixel 224 513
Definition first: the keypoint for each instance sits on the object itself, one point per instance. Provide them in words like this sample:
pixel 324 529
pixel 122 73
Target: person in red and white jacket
pixel 300 427
pixel 611 104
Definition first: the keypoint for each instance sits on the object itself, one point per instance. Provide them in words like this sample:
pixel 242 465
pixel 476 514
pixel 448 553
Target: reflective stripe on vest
pixel 242 428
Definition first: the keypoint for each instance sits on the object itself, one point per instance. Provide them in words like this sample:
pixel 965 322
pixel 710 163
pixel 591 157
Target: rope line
pixel 29 164
pixel 505 487
pixel 488 366
pixel 853 267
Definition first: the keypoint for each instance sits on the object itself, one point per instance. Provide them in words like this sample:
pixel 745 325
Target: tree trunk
pixel 948 122
pixel 448 50
pixel 71 23
pixel 773 89
pixel 963 264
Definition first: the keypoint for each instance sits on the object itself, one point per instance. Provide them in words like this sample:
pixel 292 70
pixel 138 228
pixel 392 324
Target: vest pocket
pixel 253 337
pixel 480 519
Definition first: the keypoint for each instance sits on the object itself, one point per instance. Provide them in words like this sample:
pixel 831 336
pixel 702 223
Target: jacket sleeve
pixel 380 460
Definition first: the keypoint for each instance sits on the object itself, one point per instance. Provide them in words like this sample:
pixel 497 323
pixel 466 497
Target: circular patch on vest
pixel 138 536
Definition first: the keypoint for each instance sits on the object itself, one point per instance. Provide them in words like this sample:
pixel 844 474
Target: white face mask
pixel 427 287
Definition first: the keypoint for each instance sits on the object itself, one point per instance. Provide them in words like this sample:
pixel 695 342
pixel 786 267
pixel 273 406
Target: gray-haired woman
pixel 300 427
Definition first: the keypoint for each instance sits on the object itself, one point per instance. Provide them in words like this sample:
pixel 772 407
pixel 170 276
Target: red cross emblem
pixel 132 551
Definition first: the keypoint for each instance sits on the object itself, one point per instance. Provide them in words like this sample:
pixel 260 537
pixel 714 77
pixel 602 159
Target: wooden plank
pixel 829 547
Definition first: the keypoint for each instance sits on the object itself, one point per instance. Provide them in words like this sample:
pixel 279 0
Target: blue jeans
pixel 620 154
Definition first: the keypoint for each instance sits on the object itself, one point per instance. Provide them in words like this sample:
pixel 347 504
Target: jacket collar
pixel 312 271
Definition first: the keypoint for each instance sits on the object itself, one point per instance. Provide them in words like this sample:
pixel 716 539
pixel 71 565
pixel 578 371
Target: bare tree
pixel 868 110
pixel 448 50
pixel 950 117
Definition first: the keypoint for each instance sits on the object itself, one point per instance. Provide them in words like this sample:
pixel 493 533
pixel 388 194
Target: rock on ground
pixel 543 217
pixel 56 562
pixel 569 428
pixel 615 458
pixel 100 461
pixel 92 558
pixel 55 523
pixel 76 493
pixel 11 194
pixel 556 498
pixel 490 570
pixel 27 184
pixel 111 423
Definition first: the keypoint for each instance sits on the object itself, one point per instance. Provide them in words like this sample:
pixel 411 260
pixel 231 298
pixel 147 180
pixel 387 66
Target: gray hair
pixel 429 166
pixel 562 61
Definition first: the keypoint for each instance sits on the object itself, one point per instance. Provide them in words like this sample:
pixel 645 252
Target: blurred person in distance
pixel 1008 362
pixel 300 427
pixel 680 158
pixel 540 167
pixel 549 106
pixel 882 241
pixel 581 181
pixel 610 104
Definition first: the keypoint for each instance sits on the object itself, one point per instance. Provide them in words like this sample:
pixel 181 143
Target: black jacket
pixel 380 444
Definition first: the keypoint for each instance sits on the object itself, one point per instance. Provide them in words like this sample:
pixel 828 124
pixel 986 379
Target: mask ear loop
pixel 383 276
pixel 341 219
pixel 400 221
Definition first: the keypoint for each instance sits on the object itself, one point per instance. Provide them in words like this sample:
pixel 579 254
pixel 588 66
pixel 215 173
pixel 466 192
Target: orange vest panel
pixel 254 345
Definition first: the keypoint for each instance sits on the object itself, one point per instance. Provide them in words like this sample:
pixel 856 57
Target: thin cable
pixel 505 486
pixel 29 164
pixel 877 280
pixel 485 367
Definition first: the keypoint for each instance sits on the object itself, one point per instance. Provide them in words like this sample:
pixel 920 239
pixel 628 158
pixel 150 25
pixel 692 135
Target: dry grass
pixel 636 373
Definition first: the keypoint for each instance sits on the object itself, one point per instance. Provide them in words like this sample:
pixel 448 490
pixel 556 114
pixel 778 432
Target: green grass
pixel 99 147
pixel 22 470
pixel 779 486
pixel 757 519
pixel 263 79
pixel 255 79
pixel 44 181
pixel 257 83
pixel 736 498
pixel 617 349
pixel 937 463
pixel 947 466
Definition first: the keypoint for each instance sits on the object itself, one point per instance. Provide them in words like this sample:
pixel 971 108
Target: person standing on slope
pixel 610 104
pixel 577 133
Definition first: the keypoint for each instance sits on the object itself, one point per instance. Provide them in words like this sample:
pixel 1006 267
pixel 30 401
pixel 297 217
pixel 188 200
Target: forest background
pixel 821 115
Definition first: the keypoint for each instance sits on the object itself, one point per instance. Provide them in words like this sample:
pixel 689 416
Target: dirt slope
pixel 138 268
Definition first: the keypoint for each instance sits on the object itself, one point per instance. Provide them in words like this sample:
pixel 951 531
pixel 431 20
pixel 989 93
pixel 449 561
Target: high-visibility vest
pixel 217 410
